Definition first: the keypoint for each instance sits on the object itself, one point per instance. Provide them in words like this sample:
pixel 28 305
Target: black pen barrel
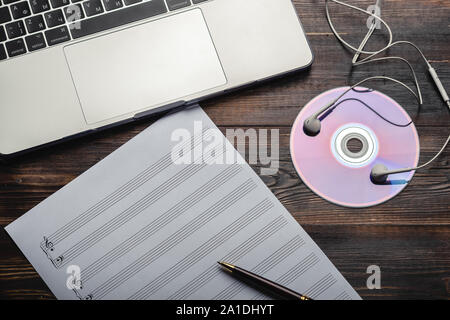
pixel 268 285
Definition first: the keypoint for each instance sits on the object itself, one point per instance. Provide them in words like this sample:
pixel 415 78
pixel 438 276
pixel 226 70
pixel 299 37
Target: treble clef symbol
pixel 48 244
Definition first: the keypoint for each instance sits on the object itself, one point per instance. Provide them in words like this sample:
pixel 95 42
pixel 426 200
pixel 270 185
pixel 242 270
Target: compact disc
pixel 365 129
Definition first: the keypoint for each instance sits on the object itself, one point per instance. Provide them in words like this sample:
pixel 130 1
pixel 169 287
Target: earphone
pixel 312 124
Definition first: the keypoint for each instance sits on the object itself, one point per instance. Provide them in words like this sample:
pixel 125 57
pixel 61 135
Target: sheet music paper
pixel 139 226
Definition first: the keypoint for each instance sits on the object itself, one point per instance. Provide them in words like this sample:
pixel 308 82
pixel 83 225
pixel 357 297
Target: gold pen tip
pixel 226 265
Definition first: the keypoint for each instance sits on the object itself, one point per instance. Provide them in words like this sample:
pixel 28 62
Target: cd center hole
pixel 354 145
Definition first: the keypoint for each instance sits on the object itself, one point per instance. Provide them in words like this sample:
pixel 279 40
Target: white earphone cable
pixel 371 59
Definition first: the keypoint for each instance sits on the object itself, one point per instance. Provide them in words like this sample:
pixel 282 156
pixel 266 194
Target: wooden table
pixel 408 237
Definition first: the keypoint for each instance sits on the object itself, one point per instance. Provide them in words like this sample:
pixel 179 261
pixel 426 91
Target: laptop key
pixel 59 3
pixel 20 10
pixel 35 23
pixel 54 18
pixel 2 34
pixel 10 1
pixel 3 55
pixel 5 16
pixel 15 29
pixel 38 6
pixel 130 2
pixel 178 4
pixel 35 42
pixel 93 7
pixel 16 47
pixel 112 4
pixel 118 18
pixel 57 36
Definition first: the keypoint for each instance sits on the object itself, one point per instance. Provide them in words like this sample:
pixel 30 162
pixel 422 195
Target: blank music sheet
pixel 140 225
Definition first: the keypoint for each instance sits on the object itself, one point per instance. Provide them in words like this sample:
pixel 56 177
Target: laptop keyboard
pixel 27 26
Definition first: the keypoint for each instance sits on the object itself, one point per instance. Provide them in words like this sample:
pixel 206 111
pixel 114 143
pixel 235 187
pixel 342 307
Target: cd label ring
pixel 354 131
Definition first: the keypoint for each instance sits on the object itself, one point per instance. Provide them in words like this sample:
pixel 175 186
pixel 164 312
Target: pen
pixel 279 290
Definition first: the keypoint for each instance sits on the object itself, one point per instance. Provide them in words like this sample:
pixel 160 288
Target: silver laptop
pixel 70 67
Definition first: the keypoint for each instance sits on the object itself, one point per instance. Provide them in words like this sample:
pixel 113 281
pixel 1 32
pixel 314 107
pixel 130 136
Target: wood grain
pixel 408 237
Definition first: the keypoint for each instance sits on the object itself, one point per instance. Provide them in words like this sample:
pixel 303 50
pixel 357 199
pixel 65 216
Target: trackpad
pixel 145 66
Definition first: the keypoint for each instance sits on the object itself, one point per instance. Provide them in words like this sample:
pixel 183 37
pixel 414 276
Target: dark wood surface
pixel 408 237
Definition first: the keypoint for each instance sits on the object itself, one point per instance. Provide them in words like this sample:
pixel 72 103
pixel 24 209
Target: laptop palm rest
pixel 145 66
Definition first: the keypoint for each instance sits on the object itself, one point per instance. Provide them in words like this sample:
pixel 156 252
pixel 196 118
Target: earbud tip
pixel 312 127
pixel 379 174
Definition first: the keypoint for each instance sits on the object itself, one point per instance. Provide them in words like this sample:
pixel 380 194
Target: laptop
pixel 72 67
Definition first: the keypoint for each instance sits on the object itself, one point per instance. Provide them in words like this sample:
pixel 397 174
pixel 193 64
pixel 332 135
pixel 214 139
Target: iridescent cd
pixel 365 129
